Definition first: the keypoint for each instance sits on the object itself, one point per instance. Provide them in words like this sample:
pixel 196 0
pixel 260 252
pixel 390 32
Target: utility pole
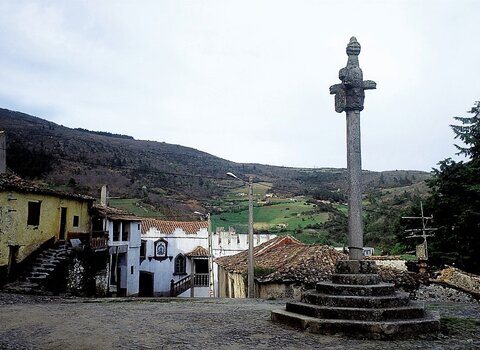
pixel 211 290
pixel 251 262
pixel 251 270
pixel 422 250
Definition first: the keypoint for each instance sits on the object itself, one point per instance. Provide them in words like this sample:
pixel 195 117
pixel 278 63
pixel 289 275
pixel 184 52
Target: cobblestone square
pixel 29 322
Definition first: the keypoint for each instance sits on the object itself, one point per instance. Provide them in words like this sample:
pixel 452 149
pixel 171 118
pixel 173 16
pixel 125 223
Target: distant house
pixel 226 243
pixel 175 253
pixel 283 267
pixel 172 252
pixel 367 251
pixel 122 232
pixel 32 216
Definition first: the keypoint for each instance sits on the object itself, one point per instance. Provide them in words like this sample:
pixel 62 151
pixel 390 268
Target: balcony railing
pixel 177 288
pixel 201 280
pixel 99 243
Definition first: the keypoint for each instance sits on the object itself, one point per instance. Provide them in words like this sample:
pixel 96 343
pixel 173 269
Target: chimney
pixel 104 196
pixel 3 153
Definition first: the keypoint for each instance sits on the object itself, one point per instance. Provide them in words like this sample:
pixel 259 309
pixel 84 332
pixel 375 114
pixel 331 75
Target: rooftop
pixel 284 258
pixel 114 213
pixel 198 251
pixel 11 182
pixel 168 227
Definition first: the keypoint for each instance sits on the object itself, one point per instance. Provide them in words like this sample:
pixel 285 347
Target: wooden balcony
pixel 98 244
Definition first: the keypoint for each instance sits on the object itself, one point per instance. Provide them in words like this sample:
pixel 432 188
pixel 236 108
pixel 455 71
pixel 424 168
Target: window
pixel 116 230
pixel 143 250
pixel 125 227
pixel 180 265
pixel 33 213
pixel 76 220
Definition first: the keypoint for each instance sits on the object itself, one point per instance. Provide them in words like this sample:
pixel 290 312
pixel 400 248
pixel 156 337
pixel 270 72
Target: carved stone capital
pixel 350 94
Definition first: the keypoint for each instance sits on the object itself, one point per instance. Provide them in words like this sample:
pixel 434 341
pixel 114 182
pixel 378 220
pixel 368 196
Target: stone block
pixel 357 279
pixel 356 289
pixel 356 267
pixel 411 311
pixel 426 327
pixel 396 300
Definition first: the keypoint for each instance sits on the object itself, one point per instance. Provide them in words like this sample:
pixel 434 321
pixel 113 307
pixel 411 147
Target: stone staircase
pixel 357 304
pixel 39 277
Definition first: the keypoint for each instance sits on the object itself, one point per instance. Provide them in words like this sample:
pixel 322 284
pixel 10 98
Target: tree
pixel 469 133
pixel 455 200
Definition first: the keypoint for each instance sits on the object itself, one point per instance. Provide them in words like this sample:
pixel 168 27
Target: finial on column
pixel 350 93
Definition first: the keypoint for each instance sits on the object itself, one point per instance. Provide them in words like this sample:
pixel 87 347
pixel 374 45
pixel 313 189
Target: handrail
pixel 180 286
pixel 199 280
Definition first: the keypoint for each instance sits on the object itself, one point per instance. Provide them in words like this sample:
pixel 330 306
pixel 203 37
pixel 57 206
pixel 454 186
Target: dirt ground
pixel 28 322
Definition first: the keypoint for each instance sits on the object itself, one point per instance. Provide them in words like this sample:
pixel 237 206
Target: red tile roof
pixel 286 259
pixel 168 227
pixel 199 251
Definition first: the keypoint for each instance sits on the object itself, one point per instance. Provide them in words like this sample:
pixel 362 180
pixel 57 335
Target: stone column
pixel 3 153
pixel 349 97
pixel 354 169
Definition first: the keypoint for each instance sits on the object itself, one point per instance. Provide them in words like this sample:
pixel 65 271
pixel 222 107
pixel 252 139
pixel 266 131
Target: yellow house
pixel 30 216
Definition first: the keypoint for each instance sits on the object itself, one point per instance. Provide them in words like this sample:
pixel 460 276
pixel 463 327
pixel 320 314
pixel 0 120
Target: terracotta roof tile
pixel 285 258
pixel 168 227
pixel 199 251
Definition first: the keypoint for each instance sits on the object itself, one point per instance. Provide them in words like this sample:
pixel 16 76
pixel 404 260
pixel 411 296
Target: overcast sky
pixel 245 80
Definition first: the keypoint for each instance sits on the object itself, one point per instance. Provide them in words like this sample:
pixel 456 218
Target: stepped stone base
pixel 425 327
pixel 357 304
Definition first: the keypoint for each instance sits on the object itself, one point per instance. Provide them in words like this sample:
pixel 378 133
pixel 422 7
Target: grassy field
pixel 278 215
pixel 135 206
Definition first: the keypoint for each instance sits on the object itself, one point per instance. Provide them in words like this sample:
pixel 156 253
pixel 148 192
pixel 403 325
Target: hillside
pixel 172 178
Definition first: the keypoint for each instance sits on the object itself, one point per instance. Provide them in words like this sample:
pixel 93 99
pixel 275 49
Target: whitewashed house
pixel 123 232
pixel 175 253
pixel 226 243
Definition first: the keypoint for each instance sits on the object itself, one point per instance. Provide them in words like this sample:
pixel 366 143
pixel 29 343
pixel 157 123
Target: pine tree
pixel 469 133
pixel 455 200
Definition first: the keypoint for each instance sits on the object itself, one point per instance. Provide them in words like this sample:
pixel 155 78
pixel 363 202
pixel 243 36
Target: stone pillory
pixel 355 302
pixel 349 97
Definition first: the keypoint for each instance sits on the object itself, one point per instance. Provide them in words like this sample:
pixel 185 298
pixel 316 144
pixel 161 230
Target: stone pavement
pixel 61 323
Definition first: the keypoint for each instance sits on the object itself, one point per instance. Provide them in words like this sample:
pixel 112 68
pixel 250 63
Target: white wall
pixel 133 257
pixel 129 280
pixel 227 243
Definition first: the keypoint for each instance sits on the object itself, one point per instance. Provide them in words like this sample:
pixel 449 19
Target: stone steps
pixel 42 269
pixel 413 310
pixel 357 304
pixel 396 300
pixel 349 278
pixel 38 275
pixel 425 327
pixel 379 289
